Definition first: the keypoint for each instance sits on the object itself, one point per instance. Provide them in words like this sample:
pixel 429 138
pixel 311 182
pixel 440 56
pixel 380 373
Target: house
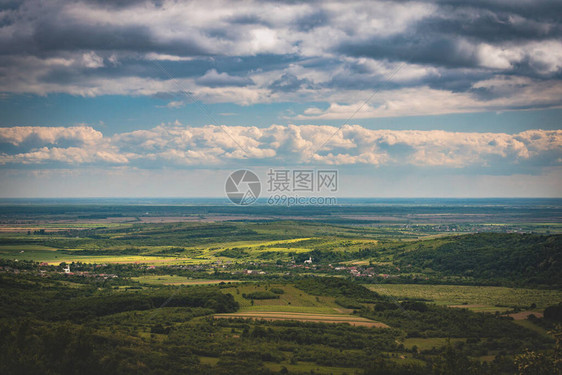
pixel 309 260
pixel 67 269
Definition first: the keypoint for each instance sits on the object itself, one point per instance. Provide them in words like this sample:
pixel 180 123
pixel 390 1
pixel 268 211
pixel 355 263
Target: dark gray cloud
pixel 238 65
pixel 317 18
pixel 490 27
pixel 441 51
pixel 248 19
pixel 125 3
pixel 544 10
pixel 451 36
pixel 365 82
pixel 51 36
pixel 136 65
pixel 456 80
pixel 286 48
pixel 289 83
pixel 215 79
pixel 130 67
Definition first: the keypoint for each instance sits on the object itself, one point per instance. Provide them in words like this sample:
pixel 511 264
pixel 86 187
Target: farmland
pixel 176 280
pixel 292 304
pixel 484 298
pixel 304 317
pixel 362 290
pixel 234 245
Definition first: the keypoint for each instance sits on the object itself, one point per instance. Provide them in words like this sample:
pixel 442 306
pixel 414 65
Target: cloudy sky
pixel 163 98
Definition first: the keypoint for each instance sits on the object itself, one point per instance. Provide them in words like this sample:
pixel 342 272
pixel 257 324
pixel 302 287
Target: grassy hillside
pixel 519 258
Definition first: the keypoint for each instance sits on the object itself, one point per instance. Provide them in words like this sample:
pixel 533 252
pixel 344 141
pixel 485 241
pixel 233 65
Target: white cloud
pixel 175 104
pixel 49 135
pixel 175 145
pixel 504 92
pixel 92 60
pixel 73 145
pixel 165 57
pixel 544 57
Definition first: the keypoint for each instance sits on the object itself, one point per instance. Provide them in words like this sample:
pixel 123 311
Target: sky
pixel 131 98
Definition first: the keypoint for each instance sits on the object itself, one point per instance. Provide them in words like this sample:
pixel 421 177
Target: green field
pixel 38 253
pixel 240 297
pixel 292 300
pixel 337 318
pixel 477 298
pixel 177 280
pixel 292 304
pixel 310 368
pixel 56 248
pixel 426 344
pixel 55 258
pixel 302 367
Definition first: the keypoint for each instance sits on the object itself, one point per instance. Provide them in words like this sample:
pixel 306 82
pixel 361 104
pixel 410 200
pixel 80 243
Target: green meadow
pixel 177 280
pixel 476 298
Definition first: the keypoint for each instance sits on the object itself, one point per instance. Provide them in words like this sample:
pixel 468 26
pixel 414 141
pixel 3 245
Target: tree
pixel 532 363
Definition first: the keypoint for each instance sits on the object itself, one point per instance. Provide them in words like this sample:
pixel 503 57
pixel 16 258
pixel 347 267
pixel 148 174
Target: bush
pixel 553 313
pixel 415 306
pixel 260 295
pixel 348 303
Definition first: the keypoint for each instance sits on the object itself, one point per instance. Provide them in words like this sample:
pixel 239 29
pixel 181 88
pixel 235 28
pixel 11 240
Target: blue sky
pixel 112 114
pixel 164 98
